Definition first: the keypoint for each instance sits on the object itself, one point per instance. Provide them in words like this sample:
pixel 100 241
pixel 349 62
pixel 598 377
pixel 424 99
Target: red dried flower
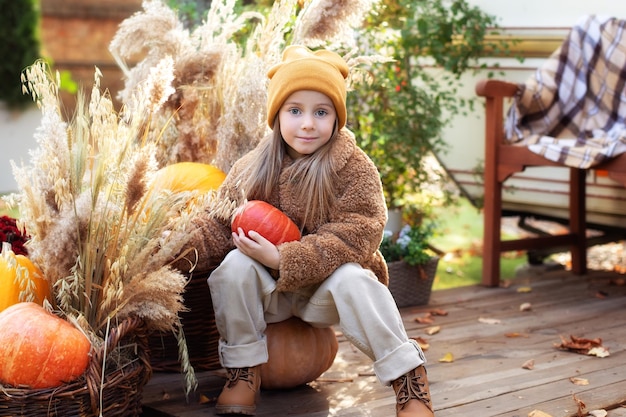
pixel 10 233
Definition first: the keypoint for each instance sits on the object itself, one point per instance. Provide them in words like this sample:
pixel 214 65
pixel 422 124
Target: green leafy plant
pixel 19 48
pixel 398 116
pixel 411 245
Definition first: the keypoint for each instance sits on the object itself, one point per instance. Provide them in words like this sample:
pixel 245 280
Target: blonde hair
pixel 313 176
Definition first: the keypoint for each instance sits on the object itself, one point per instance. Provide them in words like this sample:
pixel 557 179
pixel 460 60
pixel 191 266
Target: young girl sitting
pixel 310 168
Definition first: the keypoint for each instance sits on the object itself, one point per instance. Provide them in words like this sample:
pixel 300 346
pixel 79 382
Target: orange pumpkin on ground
pixel 267 220
pixel 298 353
pixel 39 349
pixel 188 176
pixel 20 279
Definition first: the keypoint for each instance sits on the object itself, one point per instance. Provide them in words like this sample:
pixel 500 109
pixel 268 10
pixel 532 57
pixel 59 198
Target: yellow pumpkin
pixel 298 353
pixel 188 176
pixel 20 279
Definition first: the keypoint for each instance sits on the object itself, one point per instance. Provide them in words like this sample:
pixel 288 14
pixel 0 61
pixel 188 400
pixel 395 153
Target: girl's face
pixel 307 121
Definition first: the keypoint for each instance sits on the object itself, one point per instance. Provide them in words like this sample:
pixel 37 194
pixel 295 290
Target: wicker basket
pixel 119 395
pixel 411 285
pixel 199 328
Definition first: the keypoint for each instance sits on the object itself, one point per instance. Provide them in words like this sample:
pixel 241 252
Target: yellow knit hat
pixel 302 69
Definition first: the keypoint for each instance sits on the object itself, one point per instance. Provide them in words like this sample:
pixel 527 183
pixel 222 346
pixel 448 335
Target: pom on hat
pixel 302 69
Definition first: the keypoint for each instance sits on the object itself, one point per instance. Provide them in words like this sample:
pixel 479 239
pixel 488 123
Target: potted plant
pixel 399 114
pixel 411 260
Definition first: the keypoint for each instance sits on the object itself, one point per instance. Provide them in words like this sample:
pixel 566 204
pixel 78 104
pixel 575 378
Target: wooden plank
pixel 501 358
pixel 617 412
pixel 564 404
pixel 511 389
pixel 486 378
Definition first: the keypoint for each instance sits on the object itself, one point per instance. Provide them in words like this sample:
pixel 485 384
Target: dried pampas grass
pixel 324 22
pixel 220 102
pixel 101 236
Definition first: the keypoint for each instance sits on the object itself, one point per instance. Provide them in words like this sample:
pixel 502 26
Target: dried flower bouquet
pixel 102 235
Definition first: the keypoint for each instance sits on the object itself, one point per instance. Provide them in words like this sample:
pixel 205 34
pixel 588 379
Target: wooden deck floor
pixel 487 376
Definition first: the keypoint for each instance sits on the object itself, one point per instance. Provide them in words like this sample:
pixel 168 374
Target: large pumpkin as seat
pixel 298 353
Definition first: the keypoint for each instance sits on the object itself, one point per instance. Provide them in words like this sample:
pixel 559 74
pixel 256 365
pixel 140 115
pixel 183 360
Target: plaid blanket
pixel 573 110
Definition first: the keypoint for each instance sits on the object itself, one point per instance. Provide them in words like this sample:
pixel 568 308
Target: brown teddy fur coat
pixel 352 234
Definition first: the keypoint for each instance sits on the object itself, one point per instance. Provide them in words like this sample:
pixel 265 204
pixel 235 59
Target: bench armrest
pixel 496 88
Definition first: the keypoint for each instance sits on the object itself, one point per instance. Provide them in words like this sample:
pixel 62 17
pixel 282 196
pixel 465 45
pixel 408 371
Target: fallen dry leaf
pixel 579 381
pixel 597 413
pixel 424 320
pixel 601 294
pixel 525 307
pixel 516 334
pixel 599 351
pixel 204 399
pixel 579 344
pixel 538 413
pixel 438 312
pixel 580 404
pixel 432 330
pixel 488 320
pixel 524 289
pixel 529 364
pixel 447 358
pixel 505 284
pixel 423 343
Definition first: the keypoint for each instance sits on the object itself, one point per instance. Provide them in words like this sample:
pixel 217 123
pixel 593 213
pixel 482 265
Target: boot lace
pixel 236 374
pixel 410 386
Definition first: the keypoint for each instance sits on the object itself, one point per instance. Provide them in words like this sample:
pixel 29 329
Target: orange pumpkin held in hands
pixel 20 279
pixel 39 349
pixel 267 220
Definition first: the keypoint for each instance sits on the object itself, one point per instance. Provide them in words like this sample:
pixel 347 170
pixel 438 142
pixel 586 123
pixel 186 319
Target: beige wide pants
pixel 245 299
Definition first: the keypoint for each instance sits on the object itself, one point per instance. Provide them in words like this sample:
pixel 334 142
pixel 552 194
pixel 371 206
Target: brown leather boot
pixel 413 394
pixel 241 391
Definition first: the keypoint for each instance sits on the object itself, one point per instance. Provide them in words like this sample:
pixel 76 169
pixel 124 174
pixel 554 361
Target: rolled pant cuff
pixel 243 356
pixel 406 357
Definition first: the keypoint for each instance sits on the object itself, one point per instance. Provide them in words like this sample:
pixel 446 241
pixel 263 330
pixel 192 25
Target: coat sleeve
pixel 209 242
pixel 352 234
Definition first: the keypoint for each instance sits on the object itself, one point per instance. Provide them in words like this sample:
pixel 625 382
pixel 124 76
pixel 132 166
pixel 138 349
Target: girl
pixel 311 168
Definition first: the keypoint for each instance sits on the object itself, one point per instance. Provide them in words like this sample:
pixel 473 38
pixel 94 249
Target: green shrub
pixel 399 116
pixel 19 48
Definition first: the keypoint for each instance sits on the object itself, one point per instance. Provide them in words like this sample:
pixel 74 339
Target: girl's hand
pixel 257 247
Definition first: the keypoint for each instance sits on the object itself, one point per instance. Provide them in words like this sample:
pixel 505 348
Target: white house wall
pixel 17 130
